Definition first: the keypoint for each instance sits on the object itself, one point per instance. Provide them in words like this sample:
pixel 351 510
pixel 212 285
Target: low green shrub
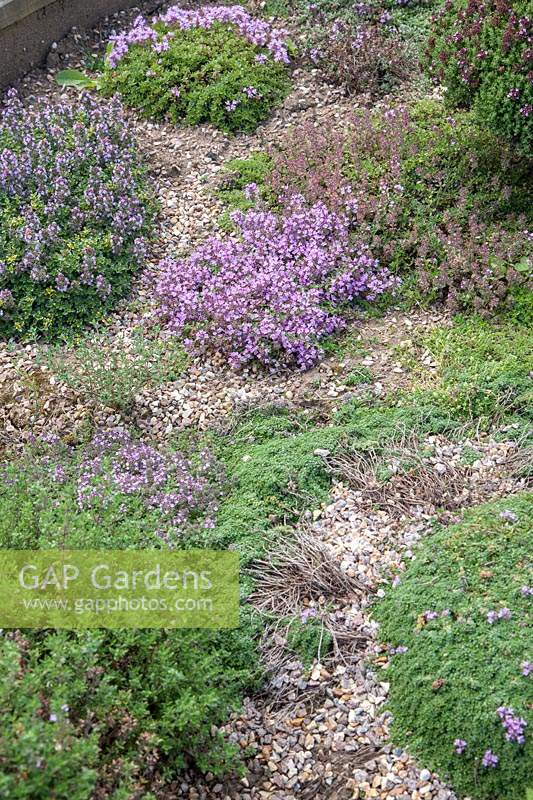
pixel 461 611
pixel 114 372
pixel 481 51
pixel 217 65
pixel 108 712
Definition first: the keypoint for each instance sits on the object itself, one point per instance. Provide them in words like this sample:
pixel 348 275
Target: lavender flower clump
pixel 255 31
pixel 120 481
pixel 514 726
pixel 460 746
pixel 273 293
pixel 490 759
pixel 73 213
pixel 494 616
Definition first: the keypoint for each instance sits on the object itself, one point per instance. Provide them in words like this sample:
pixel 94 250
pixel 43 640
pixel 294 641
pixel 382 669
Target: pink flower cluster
pixel 273 293
pixel 114 465
pixel 256 31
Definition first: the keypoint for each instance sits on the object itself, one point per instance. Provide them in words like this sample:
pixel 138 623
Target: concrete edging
pixel 28 28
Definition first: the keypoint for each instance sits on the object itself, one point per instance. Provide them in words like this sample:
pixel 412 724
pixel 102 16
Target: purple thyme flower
pixel 398 651
pixel 251 93
pixel 257 32
pixel 231 105
pixel 527 668
pixel 272 292
pixel 499 614
pixel 527 591
pixel 460 746
pixel 307 614
pixel 489 759
pixel 514 726
pixel 508 516
pixel 250 191
pixel 429 615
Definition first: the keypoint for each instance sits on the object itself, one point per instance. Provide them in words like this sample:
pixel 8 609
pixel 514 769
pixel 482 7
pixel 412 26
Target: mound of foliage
pixel 435 199
pixel 482 371
pixel 362 53
pixel 108 713
pixel 482 51
pixel 273 293
pixel 73 214
pixel 216 64
pixel 461 693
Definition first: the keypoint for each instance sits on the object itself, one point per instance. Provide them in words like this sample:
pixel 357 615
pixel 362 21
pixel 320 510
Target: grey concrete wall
pixel 28 27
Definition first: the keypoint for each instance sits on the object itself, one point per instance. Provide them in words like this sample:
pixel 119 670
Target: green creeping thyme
pixel 213 74
pixel 481 371
pixel 457 625
pixel 113 371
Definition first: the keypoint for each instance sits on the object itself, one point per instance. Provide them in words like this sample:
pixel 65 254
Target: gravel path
pixel 327 735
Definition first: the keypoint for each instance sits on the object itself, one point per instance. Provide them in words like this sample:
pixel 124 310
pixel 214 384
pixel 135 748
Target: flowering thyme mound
pixel 364 54
pixel 135 494
pixel 73 214
pixel 437 199
pixel 460 695
pixel 217 64
pixel 273 294
pixel 482 51
pixel 110 713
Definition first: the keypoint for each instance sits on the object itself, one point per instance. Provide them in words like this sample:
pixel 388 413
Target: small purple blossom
pixel 307 614
pixel 499 614
pixel 398 651
pixel 514 726
pixel 490 759
pixel 251 191
pixel 509 516
pixel 231 105
pixel 460 746
pixel 252 93
pixel 527 668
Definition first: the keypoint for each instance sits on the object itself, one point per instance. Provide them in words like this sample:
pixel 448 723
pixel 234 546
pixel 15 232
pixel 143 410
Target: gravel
pixel 328 737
